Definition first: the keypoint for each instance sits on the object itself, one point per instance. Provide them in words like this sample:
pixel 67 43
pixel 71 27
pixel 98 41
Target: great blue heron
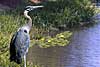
pixel 20 41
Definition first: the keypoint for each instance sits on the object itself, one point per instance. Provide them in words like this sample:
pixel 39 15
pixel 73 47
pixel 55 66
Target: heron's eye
pixel 25 31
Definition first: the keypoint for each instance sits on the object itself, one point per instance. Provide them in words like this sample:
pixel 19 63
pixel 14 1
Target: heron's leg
pixel 24 60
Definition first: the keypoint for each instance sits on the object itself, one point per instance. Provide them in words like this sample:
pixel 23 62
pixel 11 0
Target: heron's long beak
pixel 34 7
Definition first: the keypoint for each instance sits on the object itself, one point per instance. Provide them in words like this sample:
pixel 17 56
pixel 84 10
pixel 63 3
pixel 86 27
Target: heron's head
pixel 30 8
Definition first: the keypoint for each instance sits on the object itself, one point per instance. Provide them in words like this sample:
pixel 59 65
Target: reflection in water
pixel 83 51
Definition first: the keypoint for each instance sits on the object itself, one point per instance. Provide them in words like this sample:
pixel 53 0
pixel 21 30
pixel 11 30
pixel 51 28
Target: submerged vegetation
pixel 54 19
pixel 59 40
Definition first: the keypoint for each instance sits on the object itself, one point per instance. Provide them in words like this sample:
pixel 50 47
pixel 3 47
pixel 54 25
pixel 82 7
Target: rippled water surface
pixel 83 51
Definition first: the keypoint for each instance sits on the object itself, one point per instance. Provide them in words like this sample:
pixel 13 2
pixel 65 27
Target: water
pixel 83 51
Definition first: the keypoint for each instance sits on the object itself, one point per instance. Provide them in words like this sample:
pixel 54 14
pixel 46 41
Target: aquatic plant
pixel 61 39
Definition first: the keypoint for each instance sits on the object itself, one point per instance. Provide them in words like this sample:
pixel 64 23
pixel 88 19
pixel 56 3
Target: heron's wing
pixel 12 48
pixel 22 43
pixel 13 39
pixel 19 46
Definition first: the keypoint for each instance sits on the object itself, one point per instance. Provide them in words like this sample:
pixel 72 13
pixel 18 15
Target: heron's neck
pixel 29 22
